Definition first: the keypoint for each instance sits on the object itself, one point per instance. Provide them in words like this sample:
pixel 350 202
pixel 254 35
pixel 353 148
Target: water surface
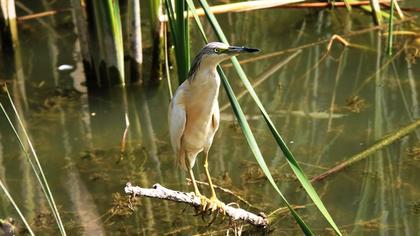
pixel 327 108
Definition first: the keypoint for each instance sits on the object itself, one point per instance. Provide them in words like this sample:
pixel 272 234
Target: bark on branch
pixel 160 192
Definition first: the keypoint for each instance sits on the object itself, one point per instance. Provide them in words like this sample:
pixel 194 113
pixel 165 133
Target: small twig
pixel 124 138
pixel 161 192
pixel 42 14
pixel 366 153
pixel 338 38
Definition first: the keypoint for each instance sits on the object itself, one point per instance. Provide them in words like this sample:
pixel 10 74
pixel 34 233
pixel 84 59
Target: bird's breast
pixel 202 98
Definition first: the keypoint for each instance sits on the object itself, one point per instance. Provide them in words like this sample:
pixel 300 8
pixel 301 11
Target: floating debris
pixel 65 67
pixel 355 104
pixel 7 226
pixel 123 205
pixel 415 207
pixel 414 152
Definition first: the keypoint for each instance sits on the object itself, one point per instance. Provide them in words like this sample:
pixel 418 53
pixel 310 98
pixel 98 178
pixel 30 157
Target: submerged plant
pixel 36 166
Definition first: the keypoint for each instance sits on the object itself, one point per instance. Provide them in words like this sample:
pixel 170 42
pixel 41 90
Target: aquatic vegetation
pixel 179 29
pixel 34 161
pixel 22 217
pixel 325 80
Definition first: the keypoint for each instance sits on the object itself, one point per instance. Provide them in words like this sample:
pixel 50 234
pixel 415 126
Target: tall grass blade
pixel 8 25
pixel 248 133
pixel 38 171
pixel 81 23
pixel 154 8
pixel 16 208
pixel 289 156
pixel 178 23
pixel 107 40
pixel 256 151
pixel 348 6
pixel 390 27
pixel 376 11
pixel 168 72
pixel 114 10
pixel 134 39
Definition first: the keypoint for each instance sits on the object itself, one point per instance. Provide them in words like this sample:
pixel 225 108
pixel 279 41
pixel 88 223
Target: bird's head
pixel 214 53
pixel 218 52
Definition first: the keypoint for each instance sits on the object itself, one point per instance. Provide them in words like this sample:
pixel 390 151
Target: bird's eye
pixel 216 50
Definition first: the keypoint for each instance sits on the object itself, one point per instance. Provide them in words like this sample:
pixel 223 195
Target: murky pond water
pixel 328 106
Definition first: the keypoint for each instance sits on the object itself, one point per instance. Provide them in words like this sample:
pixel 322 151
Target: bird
pixel 194 114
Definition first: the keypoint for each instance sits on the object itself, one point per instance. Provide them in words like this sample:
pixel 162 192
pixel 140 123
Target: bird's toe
pixel 217 205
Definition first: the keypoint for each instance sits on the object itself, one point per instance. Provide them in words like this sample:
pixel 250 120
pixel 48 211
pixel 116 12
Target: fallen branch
pixel 160 192
pixel 366 153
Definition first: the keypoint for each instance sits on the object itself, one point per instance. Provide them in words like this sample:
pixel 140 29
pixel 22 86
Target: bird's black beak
pixel 236 49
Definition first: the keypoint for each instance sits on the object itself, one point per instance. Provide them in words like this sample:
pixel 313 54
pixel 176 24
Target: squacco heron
pixel 194 113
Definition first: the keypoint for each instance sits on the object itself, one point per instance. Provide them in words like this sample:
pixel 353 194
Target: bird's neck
pixel 207 77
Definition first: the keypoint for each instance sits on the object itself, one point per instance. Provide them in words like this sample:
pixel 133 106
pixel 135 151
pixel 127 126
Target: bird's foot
pixel 203 203
pixel 216 208
pixel 214 204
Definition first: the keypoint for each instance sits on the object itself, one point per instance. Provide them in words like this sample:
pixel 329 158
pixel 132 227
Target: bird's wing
pixel 216 116
pixel 177 119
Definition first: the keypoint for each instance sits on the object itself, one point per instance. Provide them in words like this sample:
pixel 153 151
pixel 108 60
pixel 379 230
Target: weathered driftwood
pixel 160 192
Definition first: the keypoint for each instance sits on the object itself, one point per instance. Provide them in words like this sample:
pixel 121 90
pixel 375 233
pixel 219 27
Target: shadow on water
pixel 328 106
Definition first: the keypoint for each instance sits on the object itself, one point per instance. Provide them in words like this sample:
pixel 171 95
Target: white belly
pixel 199 130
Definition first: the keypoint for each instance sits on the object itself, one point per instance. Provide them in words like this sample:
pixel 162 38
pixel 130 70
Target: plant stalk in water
pixel 25 222
pixel 8 26
pixel 106 43
pixel 134 38
pixel 389 139
pixel 37 168
pixel 391 27
pixel 178 22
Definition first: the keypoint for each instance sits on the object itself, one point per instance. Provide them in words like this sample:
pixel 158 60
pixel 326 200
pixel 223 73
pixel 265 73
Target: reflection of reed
pixel 414 91
pixel 52 46
pixel 3 209
pixel 81 198
pixel 149 138
pixel 378 190
pixel 411 114
pixel 134 38
pixel 28 186
pixel 338 75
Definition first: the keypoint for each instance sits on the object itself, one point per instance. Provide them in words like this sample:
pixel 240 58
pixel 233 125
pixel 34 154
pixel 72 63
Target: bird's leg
pixel 203 199
pixel 215 203
pixel 196 191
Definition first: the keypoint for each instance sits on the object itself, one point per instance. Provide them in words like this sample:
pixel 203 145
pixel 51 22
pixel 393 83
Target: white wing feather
pixel 177 119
